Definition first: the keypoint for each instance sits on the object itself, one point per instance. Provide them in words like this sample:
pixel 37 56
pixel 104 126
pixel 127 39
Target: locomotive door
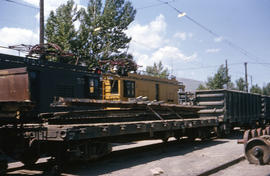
pixel 35 86
pixel 157 92
pixel 92 88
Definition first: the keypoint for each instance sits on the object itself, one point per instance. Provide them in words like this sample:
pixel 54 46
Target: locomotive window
pixel 91 86
pixel 129 89
pixel 114 86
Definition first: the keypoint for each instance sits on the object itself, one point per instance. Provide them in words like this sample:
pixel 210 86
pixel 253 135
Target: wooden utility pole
pixel 227 83
pixel 251 80
pixel 41 23
pixel 246 76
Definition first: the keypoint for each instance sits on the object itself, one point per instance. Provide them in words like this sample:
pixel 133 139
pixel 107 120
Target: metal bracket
pixel 180 117
pixel 154 112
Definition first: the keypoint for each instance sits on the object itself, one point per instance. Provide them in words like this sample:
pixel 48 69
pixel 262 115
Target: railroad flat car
pixel 86 133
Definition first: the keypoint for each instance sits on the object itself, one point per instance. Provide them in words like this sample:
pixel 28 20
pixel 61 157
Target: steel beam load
pixel 64 102
pixel 119 111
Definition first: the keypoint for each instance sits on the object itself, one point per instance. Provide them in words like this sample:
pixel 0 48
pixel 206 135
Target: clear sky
pixel 241 34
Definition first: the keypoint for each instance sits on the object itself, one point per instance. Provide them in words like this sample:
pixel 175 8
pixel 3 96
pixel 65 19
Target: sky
pixel 191 46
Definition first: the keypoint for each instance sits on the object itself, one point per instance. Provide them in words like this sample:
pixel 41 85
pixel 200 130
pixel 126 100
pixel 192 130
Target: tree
pixel 256 89
pixel 102 29
pixel 240 84
pixel 266 89
pixel 219 79
pixel 101 34
pixel 231 86
pixel 201 87
pixel 60 29
pixel 157 70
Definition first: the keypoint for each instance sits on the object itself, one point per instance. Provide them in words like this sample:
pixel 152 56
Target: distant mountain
pixel 191 84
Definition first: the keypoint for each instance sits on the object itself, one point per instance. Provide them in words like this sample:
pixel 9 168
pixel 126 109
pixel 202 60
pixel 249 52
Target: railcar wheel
pixel 247 136
pixel 192 135
pixel 165 137
pixel 259 131
pixel 264 132
pixel 254 133
pixel 204 134
pixel 56 170
pixel 29 157
pixel 30 154
pixel 267 129
pixel 178 138
pixel 3 167
pixel 257 151
pixel 165 140
pixel 224 130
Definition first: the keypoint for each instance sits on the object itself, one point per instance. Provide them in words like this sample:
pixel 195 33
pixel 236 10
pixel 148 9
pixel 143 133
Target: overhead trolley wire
pixel 21 4
pixel 258 63
pixel 154 5
pixel 229 43
pixel 210 66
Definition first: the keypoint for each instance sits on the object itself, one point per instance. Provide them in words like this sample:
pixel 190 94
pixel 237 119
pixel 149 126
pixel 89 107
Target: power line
pixel 192 68
pixel 229 43
pixel 210 66
pixel 154 5
pixel 21 4
pixel 241 74
pixel 257 63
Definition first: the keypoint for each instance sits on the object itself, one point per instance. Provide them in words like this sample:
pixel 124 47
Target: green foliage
pixel 157 70
pixel 60 29
pixel 201 87
pixel 219 80
pixel 101 32
pixel 231 86
pixel 240 84
pixel 266 89
pixel 256 89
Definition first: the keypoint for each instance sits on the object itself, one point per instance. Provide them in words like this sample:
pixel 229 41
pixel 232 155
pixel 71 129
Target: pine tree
pixel 219 80
pixel 240 84
pixel 101 33
pixel 102 30
pixel 266 89
pixel 157 70
pixel 60 29
pixel 256 89
pixel 201 87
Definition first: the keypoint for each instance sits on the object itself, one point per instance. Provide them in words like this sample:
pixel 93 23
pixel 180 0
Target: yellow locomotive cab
pixel 123 88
